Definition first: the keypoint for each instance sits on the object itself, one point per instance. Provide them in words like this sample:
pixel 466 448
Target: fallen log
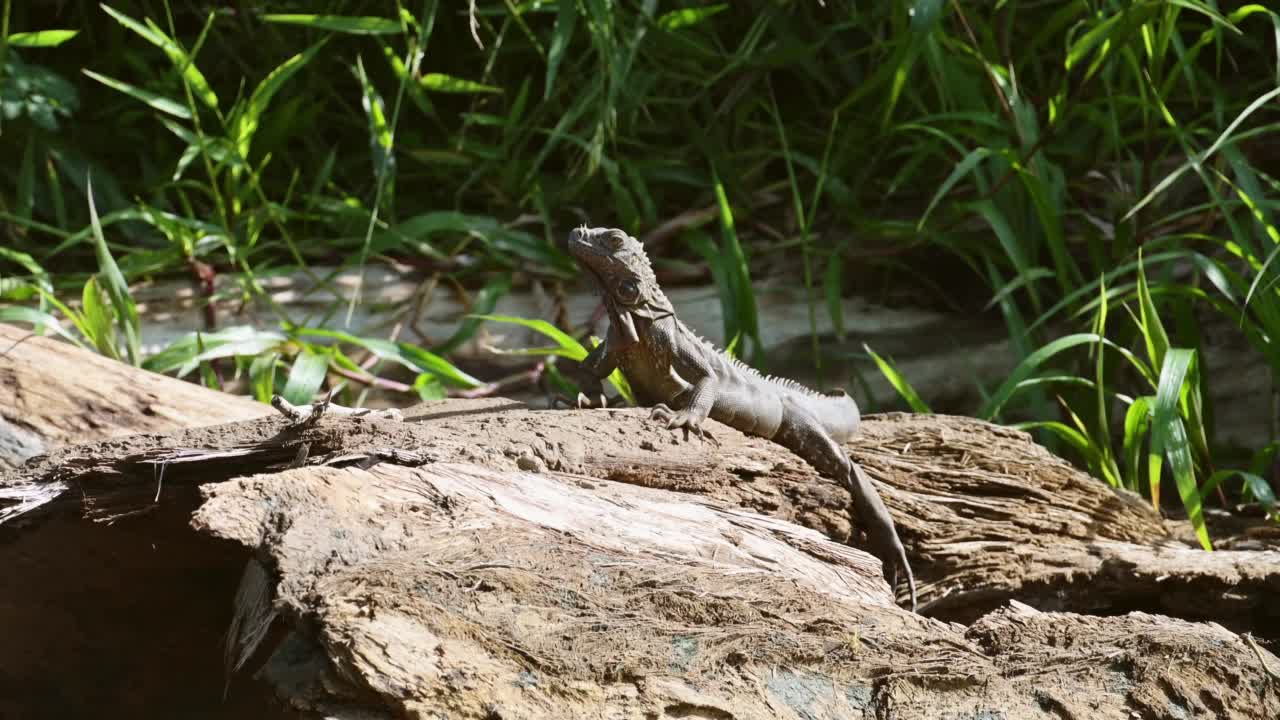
pixel 463 591
pixel 53 394
pixel 987 515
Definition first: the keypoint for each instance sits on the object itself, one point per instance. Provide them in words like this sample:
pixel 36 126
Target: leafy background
pixel 1097 177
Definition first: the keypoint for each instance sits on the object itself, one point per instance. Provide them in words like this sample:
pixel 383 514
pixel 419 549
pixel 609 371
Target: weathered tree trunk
pixel 52 394
pixel 986 515
pixel 485 560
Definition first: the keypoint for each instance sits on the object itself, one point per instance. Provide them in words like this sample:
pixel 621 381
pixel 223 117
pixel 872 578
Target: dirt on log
pixel 485 560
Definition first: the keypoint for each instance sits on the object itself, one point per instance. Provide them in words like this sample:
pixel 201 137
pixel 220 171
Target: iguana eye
pixel 615 239
pixel 629 291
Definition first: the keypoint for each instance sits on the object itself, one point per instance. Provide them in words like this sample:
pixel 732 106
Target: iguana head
pixel 622 271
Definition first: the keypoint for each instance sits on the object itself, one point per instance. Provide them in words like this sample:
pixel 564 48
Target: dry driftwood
pixel 986 514
pixel 481 565
pixel 52 394
pixel 459 590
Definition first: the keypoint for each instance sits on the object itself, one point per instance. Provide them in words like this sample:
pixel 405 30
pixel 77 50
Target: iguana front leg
pixel 702 398
pixel 598 363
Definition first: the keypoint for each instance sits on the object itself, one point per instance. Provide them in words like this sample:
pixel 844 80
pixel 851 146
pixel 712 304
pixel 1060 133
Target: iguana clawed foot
pixel 582 402
pixel 681 420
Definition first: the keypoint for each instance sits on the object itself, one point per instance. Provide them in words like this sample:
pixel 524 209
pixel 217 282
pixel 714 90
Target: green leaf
pixel 380 140
pixel 1169 438
pixel 439 82
pixel 155 100
pixel 350 24
pixel 99 323
pixel 186 353
pixel 1029 365
pixel 306 376
pixel 410 356
pixel 1254 484
pixel 185 64
pixel 567 345
pixel 738 276
pixel 429 387
pixel 483 303
pixel 1137 419
pixel 246 121
pixel 676 19
pixel 262 375
pixel 38 319
pixel 114 283
pixel 898 382
pixel 1013 249
pixel 1153 333
pixel 41 38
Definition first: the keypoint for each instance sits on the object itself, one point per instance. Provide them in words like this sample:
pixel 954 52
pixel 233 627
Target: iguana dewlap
pixel 688 380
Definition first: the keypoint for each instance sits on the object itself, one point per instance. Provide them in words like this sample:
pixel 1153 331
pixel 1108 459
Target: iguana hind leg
pixel 802 434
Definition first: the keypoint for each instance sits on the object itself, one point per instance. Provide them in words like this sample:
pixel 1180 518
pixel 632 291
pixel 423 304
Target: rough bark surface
pixel 986 514
pixel 460 591
pixel 482 559
pixel 53 394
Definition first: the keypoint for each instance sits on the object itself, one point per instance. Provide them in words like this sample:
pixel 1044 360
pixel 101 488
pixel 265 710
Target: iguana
pixel 669 366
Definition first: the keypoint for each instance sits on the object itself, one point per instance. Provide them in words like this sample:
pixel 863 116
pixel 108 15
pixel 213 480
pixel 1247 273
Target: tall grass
pixel 1097 168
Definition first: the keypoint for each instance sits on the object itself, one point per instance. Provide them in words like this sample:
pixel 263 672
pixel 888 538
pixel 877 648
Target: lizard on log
pixel 669 366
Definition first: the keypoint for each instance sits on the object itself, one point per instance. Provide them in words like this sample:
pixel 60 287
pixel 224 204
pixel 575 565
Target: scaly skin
pixel 671 367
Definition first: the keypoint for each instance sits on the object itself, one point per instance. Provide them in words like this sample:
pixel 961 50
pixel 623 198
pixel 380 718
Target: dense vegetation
pixel 1095 172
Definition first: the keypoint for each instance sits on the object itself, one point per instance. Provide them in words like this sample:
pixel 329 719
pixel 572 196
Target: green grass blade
pixel 833 286
pixel 349 24
pixel 441 83
pixel 184 354
pixel 380 140
pixel 114 283
pixel 966 165
pixel 154 100
pixel 410 356
pixel 262 376
pixel 739 276
pixel 41 38
pixel 898 382
pixel 568 346
pixel 1029 365
pixel 39 320
pixel 1153 332
pixel 191 74
pixel 676 19
pixel 566 19
pixel 246 121
pixel 1199 158
pixel 1070 435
